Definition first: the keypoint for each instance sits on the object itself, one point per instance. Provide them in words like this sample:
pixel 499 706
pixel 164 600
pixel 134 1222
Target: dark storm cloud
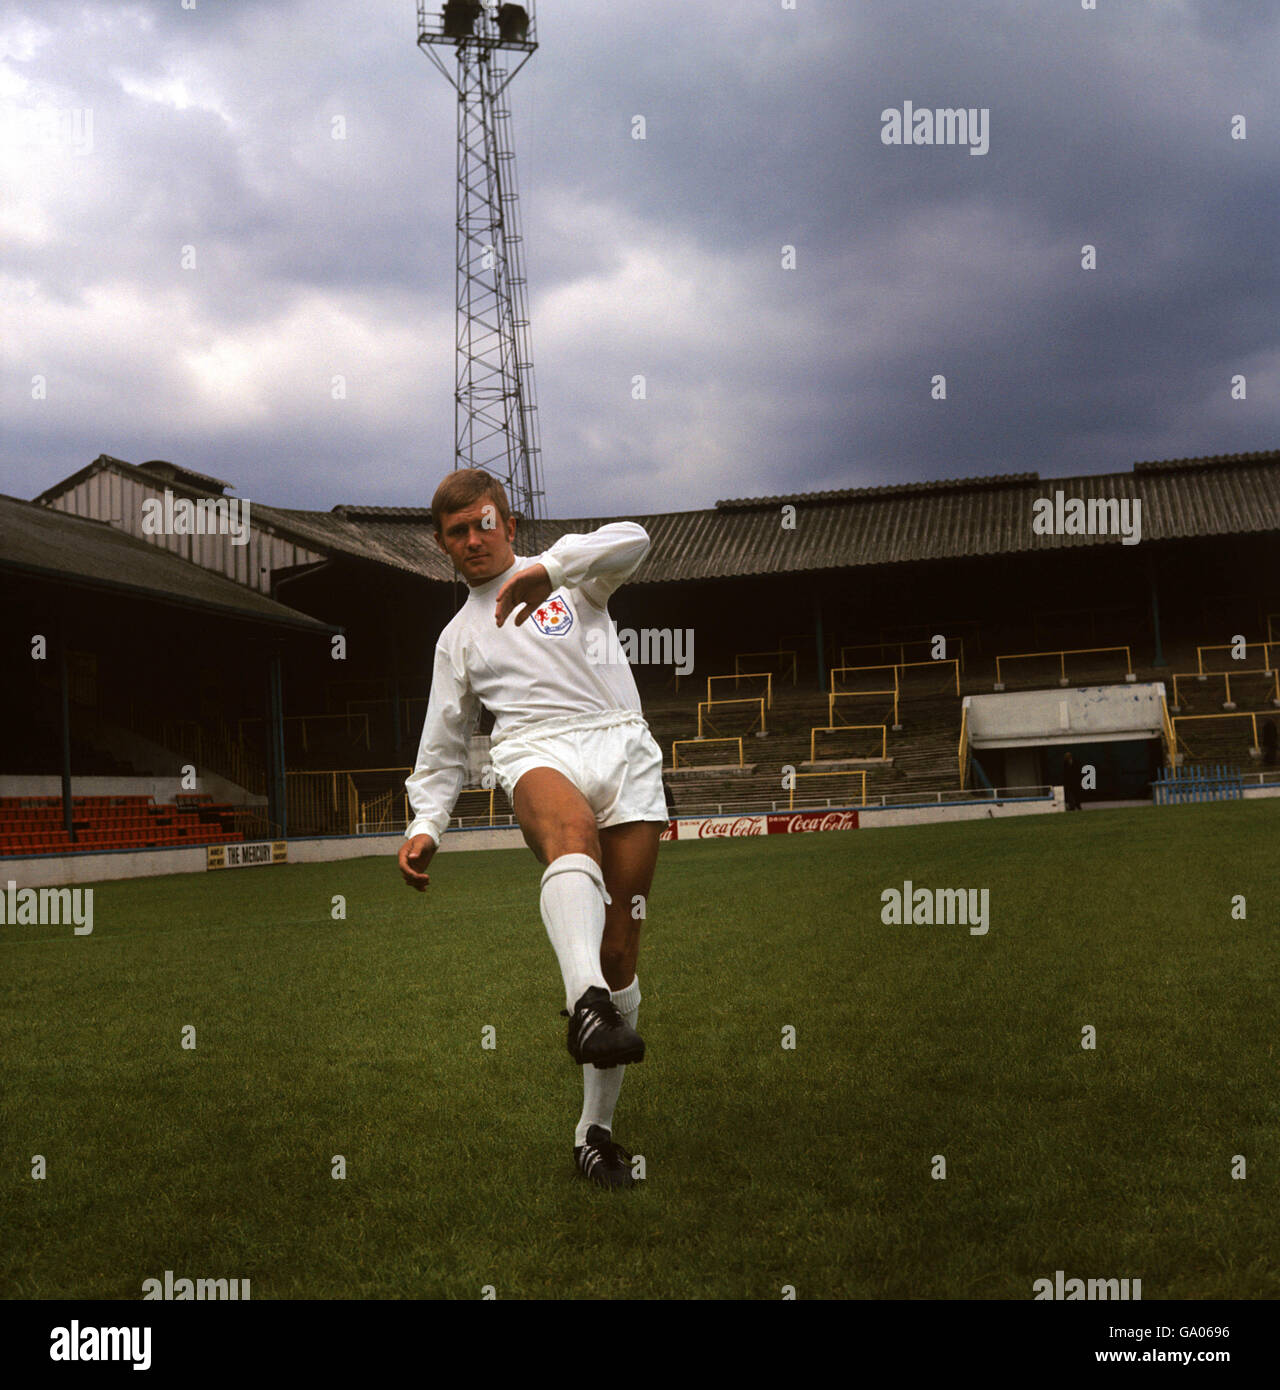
pixel 658 258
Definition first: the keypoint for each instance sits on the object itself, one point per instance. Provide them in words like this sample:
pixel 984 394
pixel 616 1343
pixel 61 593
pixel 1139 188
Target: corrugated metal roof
pixel 404 545
pixel 156 473
pixel 1206 461
pixel 356 513
pixel 957 518
pixel 164 470
pixel 41 540
pixel 895 489
pixel 908 523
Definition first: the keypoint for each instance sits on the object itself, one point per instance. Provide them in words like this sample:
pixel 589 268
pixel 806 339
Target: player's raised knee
pixel 571 835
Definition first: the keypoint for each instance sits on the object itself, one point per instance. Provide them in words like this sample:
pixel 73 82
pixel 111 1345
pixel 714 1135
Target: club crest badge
pixel 554 618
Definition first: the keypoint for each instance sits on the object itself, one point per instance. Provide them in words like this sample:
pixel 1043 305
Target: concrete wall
pixel 871 818
pixel 321 851
pixel 1085 713
pixel 46 870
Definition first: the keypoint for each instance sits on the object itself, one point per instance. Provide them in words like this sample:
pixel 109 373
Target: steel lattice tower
pixel 495 414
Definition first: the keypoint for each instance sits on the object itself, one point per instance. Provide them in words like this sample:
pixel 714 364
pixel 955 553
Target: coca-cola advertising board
pixel 734 827
pixel 802 822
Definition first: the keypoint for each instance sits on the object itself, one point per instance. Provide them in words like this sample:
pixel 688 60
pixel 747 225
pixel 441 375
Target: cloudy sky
pixel 129 132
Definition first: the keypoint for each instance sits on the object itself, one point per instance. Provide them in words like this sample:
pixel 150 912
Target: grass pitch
pixel 766 1166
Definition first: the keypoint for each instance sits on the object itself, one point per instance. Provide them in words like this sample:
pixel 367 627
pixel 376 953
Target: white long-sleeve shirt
pixel 549 667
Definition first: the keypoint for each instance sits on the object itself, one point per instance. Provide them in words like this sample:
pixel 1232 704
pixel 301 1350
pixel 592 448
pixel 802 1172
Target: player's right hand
pixel 414 857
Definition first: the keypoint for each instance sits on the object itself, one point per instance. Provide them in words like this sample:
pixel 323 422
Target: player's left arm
pixel 599 562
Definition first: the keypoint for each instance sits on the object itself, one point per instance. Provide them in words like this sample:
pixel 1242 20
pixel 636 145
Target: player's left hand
pixel 529 588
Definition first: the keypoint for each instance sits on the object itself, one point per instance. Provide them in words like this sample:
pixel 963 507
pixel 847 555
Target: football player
pixel 535 645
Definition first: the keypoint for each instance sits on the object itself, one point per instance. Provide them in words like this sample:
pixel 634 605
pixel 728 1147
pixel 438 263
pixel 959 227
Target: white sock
pixel 572 902
pixel 600 1088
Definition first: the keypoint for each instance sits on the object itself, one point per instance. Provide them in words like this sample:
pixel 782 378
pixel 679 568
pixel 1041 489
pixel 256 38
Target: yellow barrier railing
pixel 964 745
pixel 833 694
pixel 1170 734
pixel 856 695
pixel 333 803
pixel 837 671
pixel 463 814
pixel 1199 676
pixel 942 661
pixel 751 656
pixel 675 757
pixel 376 814
pixel 1062 655
pixel 1251 715
pixel 321 803
pixel 855 772
pixel 705 704
pixel 928 630
pixel 897 668
pixel 1230 647
pixel 841 728
pixel 957 642
pixel 766 676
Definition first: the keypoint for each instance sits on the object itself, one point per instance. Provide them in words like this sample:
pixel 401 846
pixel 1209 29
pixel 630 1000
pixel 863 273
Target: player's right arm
pixel 441 767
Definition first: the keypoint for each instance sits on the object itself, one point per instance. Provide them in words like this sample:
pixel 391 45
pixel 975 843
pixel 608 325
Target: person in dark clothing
pixel 1071 782
pixel 1269 740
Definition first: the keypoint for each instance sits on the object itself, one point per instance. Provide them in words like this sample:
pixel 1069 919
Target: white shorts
pixel 611 758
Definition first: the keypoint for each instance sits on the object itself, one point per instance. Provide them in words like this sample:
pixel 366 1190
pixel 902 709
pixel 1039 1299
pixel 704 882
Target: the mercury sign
pixel 246 856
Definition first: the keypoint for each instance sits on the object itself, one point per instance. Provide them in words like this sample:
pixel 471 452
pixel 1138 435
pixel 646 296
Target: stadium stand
pixel 33 825
pixel 194 652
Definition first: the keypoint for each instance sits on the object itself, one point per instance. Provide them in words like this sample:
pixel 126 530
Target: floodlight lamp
pixel 460 17
pixel 513 23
